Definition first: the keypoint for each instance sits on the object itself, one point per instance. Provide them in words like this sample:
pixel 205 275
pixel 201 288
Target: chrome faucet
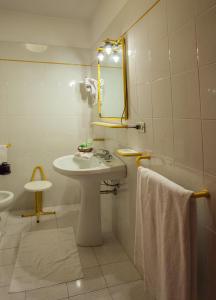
pixel 104 154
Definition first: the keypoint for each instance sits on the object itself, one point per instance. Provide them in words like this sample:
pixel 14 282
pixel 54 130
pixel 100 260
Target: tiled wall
pixel 172 87
pixel 43 115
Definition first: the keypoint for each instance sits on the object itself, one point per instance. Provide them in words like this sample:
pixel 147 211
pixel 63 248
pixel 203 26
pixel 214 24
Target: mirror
pixel 112 81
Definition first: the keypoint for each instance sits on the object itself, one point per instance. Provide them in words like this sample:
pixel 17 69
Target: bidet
pixel 6 200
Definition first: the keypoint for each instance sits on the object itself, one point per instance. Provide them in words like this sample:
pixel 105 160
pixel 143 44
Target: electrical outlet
pixel 142 128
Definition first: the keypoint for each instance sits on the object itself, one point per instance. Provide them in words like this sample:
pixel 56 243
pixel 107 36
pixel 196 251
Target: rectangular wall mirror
pixel 112 81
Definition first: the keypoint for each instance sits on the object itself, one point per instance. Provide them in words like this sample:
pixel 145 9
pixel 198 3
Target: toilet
pixel 6 201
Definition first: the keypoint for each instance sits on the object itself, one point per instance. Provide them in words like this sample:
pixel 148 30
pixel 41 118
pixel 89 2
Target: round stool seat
pixel 38 185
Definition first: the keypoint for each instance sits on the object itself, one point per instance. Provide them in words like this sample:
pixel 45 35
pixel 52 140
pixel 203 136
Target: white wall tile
pixel 188 143
pixel 163 136
pixel 202 5
pixel 159 58
pixel 175 97
pixel 183 49
pixel 144 100
pixel 208 91
pixel 131 55
pixel 179 12
pixel 161 98
pixel 142 141
pixel 187 177
pixel 206 27
pixel 209 206
pixel 185 95
pixel 141 48
pixel 44 117
pixel 157 23
pixel 209 146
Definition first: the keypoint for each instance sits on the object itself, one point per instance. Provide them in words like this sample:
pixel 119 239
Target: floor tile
pixel 9 241
pixel 67 218
pixel 55 292
pixel 87 257
pixel 46 222
pixel 110 253
pixel 8 256
pixel 6 274
pixel 4 295
pixel 14 217
pixel 17 228
pixel 93 280
pixel 98 295
pixel 130 291
pixel 119 273
pixel 54 261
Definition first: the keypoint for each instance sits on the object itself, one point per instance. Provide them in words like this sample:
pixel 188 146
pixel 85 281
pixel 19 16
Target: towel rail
pixel 202 194
pixel 139 158
pixel 7 145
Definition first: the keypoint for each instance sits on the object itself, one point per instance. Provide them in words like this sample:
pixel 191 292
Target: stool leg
pixel 41 208
pixel 37 206
pixel 40 199
pixel 25 215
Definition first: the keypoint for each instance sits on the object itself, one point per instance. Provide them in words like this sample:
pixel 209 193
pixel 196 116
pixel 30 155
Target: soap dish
pixel 129 152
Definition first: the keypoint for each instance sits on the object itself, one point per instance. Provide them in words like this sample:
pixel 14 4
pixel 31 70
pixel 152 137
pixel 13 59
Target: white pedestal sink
pixel 90 173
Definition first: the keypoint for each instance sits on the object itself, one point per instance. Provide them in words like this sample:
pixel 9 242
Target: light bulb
pixel 108 48
pixel 116 57
pixel 100 56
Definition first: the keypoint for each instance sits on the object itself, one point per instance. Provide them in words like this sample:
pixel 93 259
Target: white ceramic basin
pixel 72 166
pixel 6 200
pixel 90 173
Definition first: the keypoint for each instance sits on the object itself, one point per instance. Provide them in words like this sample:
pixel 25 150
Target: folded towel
pixel 91 85
pixel 165 237
pixel 83 155
pixel 3 153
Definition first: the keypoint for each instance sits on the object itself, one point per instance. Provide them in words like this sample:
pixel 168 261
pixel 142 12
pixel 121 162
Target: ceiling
pixel 79 9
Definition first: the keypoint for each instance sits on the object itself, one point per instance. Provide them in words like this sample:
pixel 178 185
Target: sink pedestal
pixel 90 173
pixel 89 228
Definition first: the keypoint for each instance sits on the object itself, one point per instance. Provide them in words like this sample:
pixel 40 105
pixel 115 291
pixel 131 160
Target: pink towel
pixel 165 237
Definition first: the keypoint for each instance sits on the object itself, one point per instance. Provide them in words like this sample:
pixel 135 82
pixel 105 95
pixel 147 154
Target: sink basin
pixel 90 172
pixel 6 200
pixel 77 168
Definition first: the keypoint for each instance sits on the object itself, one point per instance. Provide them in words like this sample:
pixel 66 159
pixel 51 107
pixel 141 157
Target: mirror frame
pixel 120 41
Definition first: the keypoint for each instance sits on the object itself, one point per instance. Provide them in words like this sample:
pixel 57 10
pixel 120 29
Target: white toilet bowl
pixel 6 200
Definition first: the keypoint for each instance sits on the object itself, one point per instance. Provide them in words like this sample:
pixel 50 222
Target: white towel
pixel 3 153
pixel 165 237
pixel 91 85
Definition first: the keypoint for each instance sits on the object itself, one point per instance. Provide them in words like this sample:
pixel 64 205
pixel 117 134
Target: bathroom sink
pixel 72 166
pixel 90 172
pixel 6 200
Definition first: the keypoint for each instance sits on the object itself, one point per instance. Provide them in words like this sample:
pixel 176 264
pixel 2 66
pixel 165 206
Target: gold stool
pixel 38 186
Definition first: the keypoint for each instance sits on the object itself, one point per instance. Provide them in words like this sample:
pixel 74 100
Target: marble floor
pixel 108 273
